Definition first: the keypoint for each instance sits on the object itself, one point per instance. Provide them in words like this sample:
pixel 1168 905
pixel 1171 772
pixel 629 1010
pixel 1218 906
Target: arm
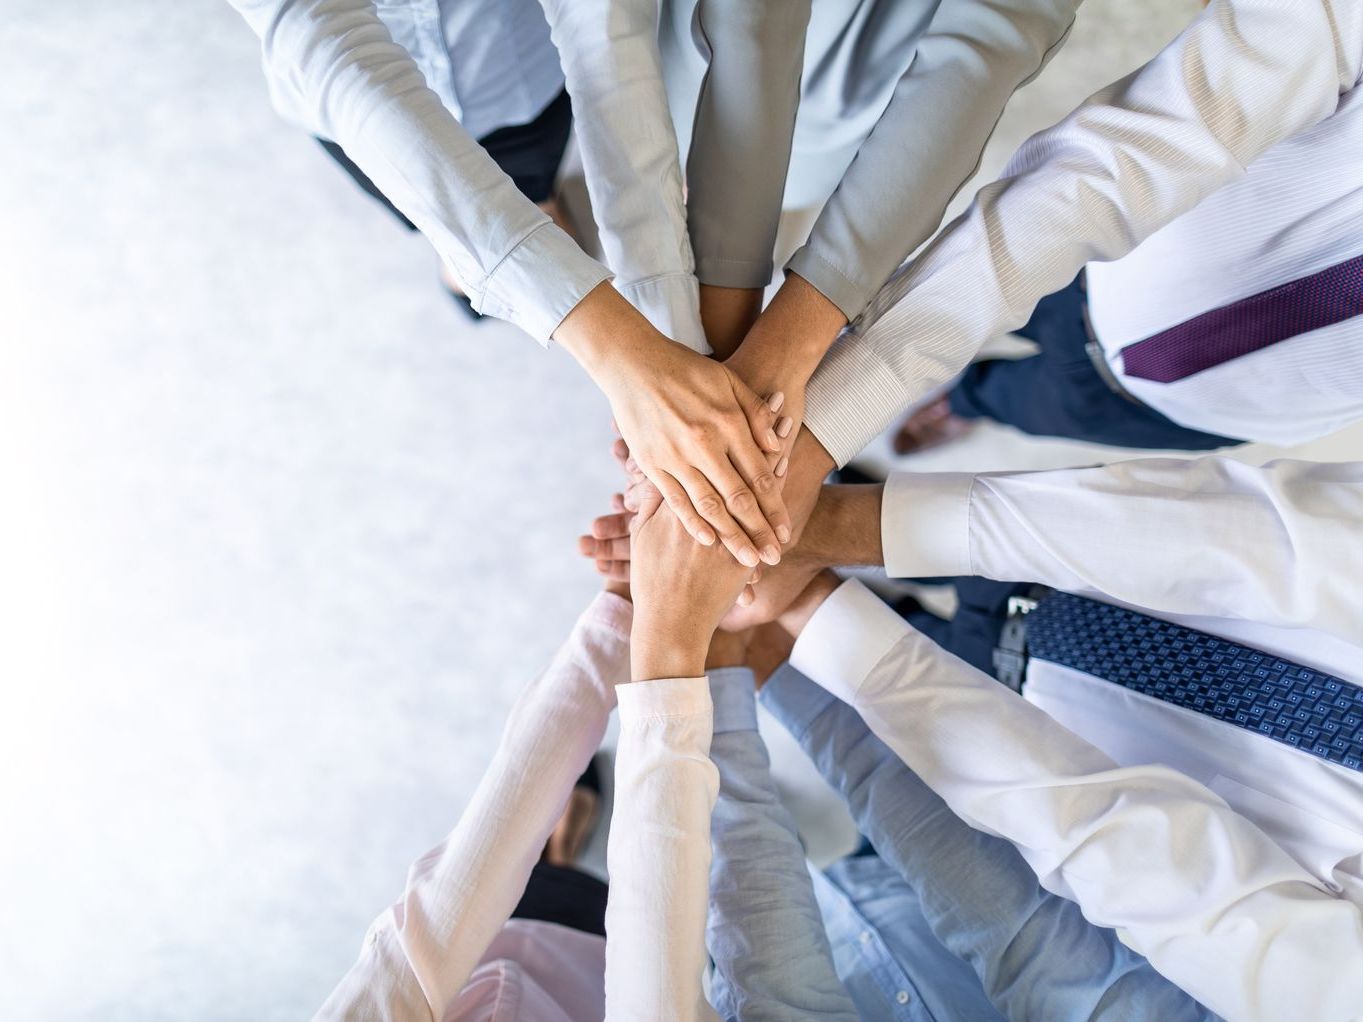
pixel 740 151
pixel 609 50
pixel 1213 903
pixel 419 953
pixel 928 142
pixel 1035 954
pixel 658 854
pixel 1242 76
pixel 766 935
pixel 365 92
pixel 1277 544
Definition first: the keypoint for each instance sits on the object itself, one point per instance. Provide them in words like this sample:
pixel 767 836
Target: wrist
pixel 727 314
pixel 666 649
pixel 844 527
pixel 794 618
pixel 797 328
pixel 604 332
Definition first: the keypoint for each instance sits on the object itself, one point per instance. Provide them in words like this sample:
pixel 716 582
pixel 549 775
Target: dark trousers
pixel 530 155
pixel 1059 392
pixel 973 634
pixel 564 895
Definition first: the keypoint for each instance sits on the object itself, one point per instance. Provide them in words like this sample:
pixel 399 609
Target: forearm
pixel 459 895
pixel 765 933
pixel 364 91
pixel 741 143
pixel 1209 536
pixel 658 854
pixel 927 143
pixel 1227 924
pixel 1035 954
pixel 629 153
pixel 1124 164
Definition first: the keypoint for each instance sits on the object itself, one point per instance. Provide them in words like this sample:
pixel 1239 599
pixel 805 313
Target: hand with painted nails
pixel 705 440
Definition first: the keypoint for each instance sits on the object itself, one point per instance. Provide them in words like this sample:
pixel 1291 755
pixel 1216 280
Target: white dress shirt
pixel 446 947
pixel 1296 212
pixel 1210 900
pixel 1243 76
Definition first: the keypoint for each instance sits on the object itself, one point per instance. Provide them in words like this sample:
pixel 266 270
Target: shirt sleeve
pixel 611 63
pixel 1035 954
pixel 1203 894
pixel 766 936
pixel 1244 75
pixel 744 130
pixel 1276 544
pixel 928 142
pixel 362 90
pixel 658 853
pixel 418 955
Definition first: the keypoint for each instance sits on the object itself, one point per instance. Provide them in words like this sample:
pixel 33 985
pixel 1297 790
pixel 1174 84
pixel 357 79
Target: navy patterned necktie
pixel 1299 706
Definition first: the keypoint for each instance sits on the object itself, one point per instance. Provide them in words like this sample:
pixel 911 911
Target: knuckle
pixel 742 501
pixel 709 505
pixel 764 483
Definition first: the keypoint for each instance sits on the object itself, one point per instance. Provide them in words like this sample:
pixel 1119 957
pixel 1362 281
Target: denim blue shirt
pixel 1032 953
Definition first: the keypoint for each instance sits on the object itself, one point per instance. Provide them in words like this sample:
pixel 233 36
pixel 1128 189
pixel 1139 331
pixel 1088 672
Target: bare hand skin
pixel 727 314
pixel 698 433
pixel 680 591
pixel 784 347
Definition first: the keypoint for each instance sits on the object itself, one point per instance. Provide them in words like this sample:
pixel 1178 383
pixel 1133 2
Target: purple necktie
pixel 1294 308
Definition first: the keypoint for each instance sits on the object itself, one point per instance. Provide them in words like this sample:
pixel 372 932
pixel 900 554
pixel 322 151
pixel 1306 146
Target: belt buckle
pixel 1010 656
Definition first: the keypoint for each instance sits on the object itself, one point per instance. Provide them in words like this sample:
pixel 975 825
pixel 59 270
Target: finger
pixel 613 549
pixel 710 506
pixel 615 571
pixel 741 502
pixel 618 503
pixel 761 480
pixel 611 526
pixel 676 497
pixel 642 498
pixel 761 415
pixel 620 451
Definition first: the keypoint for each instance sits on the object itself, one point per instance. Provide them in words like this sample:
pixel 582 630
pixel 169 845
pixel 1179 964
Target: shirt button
pixel 866 936
pixel 902 997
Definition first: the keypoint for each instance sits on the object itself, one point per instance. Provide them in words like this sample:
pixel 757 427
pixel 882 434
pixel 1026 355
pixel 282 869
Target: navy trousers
pixel 1059 392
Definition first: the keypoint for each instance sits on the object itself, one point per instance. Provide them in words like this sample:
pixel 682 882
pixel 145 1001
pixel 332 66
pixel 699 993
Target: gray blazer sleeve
pixel 741 140
pixel 928 143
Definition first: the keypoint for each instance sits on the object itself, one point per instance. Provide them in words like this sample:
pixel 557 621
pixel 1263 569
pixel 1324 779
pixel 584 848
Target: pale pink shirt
pixel 446 950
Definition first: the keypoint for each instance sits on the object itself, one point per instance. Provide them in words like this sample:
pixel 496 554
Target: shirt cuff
pixel 794 700
pixel 925 524
pixel 539 282
pixel 852 396
pixel 670 302
pixel 831 282
pixel 666 697
pixel 717 271
pixel 611 612
pixel 732 691
pixel 850 633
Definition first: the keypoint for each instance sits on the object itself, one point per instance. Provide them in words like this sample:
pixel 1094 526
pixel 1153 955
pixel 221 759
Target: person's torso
pixel 1297 211
pixel 1309 806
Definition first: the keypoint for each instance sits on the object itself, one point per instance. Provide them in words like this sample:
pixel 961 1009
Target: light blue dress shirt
pixel 945 923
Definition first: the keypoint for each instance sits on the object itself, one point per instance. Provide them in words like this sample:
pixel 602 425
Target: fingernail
pixel 772 442
pixel 632 465
pixel 781 466
pixel 784 427
pixel 776 401
pixel 771 555
pixel 705 537
pixel 748 556
pixel 783 533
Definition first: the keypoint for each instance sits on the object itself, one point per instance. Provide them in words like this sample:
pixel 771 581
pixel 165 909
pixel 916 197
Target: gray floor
pixel 280 534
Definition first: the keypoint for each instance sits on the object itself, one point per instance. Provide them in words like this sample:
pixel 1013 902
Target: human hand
pixel 782 349
pixel 694 429
pixel 680 591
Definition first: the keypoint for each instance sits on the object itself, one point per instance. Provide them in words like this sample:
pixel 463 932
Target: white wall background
pixel 280 533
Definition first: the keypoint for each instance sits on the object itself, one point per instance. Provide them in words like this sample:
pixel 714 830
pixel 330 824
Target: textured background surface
pixel 280 534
